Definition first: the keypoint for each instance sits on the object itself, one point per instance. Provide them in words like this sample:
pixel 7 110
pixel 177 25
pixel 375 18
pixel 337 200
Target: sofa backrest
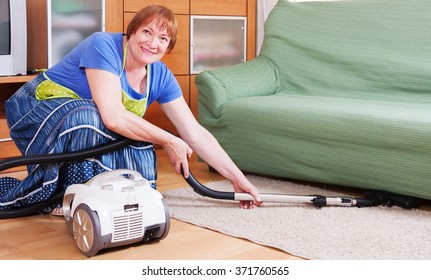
pixel 369 48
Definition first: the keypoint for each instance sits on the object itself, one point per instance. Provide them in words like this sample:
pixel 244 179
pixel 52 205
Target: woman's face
pixel 149 43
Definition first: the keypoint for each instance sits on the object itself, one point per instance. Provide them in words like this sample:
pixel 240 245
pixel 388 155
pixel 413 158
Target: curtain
pixel 264 7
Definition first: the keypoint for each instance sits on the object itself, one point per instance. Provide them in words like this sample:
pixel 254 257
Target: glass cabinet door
pixel 216 41
pixel 71 21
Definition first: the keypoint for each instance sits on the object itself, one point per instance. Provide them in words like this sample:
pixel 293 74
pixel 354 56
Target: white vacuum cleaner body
pixel 112 209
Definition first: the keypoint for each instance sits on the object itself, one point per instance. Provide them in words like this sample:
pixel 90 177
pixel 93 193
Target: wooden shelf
pixel 16 79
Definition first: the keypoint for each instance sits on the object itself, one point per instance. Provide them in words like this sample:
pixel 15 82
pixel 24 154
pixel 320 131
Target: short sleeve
pixel 101 52
pixel 164 85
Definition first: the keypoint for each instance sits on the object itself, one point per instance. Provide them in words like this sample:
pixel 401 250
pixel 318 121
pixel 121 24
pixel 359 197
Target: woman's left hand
pixel 178 152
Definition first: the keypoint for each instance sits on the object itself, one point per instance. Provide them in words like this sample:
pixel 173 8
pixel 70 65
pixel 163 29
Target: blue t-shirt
pixel 104 51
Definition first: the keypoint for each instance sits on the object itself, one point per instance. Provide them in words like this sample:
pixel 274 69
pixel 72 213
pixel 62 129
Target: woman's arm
pixel 106 92
pixel 208 148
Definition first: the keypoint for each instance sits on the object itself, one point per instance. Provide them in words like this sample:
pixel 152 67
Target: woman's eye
pixel 164 40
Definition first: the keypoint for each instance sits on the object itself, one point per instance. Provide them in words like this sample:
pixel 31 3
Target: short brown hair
pixel 163 17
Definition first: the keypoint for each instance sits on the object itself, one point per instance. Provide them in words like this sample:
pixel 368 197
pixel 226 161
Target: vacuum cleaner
pixel 111 210
pixel 128 197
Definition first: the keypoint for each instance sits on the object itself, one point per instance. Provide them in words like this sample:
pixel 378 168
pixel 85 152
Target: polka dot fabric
pixel 48 89
pixel 137 107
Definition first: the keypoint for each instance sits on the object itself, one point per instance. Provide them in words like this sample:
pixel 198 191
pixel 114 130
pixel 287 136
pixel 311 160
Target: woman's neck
pixel 136 73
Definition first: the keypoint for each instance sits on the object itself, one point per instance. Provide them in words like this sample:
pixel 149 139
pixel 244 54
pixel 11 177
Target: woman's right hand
pixel 178 152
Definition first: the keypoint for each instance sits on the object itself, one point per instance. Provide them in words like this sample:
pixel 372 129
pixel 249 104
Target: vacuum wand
pixel 317 200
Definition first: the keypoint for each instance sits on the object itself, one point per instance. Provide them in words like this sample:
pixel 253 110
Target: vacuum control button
pixel 128 189
pixel 140 183
pixel 107 187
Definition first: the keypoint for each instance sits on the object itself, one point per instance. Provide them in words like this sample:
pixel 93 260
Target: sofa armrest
pixel 255 77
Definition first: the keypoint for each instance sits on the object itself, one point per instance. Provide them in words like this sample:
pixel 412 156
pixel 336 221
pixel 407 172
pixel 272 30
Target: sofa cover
pixel 339 94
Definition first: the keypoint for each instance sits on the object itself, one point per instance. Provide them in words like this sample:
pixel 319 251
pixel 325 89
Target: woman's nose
pixel 153 41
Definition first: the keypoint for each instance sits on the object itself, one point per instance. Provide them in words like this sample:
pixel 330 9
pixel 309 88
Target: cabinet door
pixel 177 6
pixel 217 41
pixel 177 60
pixel 37 35
pixel 114 15
pixel 70 22
pixel 7 146
pixel 155 114
pixel 217 7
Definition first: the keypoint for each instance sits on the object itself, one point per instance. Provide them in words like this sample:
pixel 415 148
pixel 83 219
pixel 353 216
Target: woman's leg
pixel 60 126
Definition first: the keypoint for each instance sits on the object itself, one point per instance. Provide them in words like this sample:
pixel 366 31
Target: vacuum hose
pixel 64 157
pixel 53 158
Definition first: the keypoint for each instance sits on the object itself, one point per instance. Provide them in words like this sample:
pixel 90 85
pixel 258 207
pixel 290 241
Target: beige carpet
pixel 328 233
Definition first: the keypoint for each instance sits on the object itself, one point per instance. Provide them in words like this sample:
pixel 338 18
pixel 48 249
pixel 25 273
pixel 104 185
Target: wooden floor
pixel 45 237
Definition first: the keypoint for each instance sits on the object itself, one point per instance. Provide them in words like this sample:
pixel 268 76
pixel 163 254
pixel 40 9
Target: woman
pixel 98 93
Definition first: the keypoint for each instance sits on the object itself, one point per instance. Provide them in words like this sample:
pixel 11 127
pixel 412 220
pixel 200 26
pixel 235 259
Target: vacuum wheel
pixel 86 230
pixel 168 221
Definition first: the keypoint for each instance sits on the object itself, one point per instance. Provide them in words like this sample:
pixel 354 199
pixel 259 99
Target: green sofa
pixel 339 94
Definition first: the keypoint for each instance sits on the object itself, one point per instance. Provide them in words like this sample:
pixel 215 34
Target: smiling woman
pixel 99 92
